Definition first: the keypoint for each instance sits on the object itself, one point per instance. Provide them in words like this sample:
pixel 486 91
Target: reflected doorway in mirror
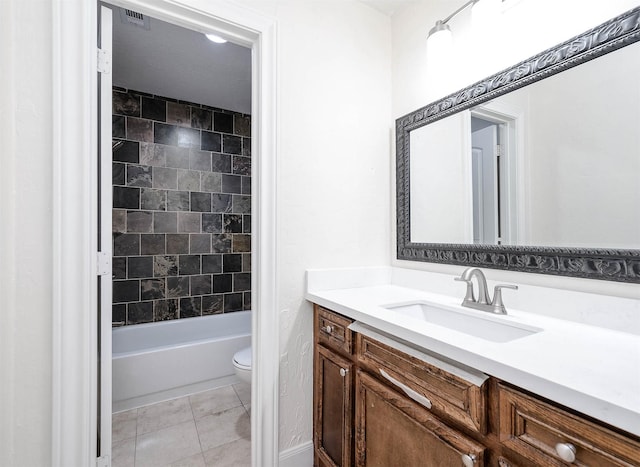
pixel 494 186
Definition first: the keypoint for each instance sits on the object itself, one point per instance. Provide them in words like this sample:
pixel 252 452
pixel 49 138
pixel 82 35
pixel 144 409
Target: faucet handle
pixel 469 297
pixel 497 303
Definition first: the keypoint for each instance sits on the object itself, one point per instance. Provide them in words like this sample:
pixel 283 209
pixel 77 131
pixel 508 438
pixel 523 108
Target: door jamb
pixel 74 88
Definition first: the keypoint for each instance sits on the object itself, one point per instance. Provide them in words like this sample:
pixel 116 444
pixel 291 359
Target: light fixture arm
pixel 459 10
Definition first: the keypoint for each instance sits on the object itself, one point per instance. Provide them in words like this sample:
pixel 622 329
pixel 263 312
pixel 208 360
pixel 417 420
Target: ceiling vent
pixel 134 18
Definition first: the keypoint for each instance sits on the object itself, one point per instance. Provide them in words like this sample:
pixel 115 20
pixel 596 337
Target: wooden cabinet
pixel 381 402
pixel 392 430
pixel 333 418
pixel 461 400
pixel 331 330
pixel 548 435
pixel 333 390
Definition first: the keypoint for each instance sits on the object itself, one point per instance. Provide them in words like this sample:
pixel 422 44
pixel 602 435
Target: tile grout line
pixel 240 399
pixel 135 444
pixel 196 426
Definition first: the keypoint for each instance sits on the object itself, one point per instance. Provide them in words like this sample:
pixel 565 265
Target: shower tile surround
pixel 181 209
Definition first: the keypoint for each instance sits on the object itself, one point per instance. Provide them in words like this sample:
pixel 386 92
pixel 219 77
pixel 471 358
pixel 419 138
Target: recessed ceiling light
pixel 215 38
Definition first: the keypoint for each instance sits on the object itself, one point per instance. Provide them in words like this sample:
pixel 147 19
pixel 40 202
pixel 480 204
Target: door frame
pixel 511 138
pixel 74 157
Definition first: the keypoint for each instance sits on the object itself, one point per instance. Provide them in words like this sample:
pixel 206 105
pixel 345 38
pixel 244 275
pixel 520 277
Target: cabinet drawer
pixel 391 430
pixel 332 330
pixel 533 429
pixel 449 396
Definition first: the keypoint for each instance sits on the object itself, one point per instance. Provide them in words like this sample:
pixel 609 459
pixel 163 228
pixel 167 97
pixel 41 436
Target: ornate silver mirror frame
pixel 604 264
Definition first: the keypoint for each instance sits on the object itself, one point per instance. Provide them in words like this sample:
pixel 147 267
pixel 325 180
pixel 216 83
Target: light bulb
pixel 484 13
pixel 439 62
pixel 215 38
pixel 439 47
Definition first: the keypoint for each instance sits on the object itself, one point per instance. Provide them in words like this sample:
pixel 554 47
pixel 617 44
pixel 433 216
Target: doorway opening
pixel 234 212
pixel 493 177
pixel 78 404
pixel 181 129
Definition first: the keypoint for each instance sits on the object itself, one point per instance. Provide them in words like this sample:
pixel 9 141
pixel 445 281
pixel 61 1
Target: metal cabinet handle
pixel 343 372
pixel 416 396
pixel 328 329
pixel 566 451
pixel 468 460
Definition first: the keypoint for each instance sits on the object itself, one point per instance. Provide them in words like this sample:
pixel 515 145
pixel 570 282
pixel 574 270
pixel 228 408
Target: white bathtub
pixel 160 361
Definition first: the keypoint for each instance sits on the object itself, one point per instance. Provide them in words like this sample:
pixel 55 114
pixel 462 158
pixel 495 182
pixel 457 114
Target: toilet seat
pixel 242 359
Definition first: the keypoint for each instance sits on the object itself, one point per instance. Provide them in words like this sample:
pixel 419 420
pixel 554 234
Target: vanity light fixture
pixel 215 38
pixel 441 32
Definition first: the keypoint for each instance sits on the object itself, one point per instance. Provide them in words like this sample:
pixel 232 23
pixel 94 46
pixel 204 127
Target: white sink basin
pixel 489 327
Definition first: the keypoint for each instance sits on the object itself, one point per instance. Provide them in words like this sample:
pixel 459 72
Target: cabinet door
pixel 333 409
pixel 392 430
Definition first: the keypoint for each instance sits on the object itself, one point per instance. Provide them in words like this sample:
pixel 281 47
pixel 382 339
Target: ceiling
pixel 172 61
pixel 388 7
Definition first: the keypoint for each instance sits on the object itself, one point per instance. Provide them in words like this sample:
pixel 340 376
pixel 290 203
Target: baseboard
pixel 298 456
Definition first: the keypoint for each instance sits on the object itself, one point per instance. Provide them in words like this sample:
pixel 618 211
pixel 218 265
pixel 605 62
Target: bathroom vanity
pixel 384 404
pixel 391 389
pixel 406 376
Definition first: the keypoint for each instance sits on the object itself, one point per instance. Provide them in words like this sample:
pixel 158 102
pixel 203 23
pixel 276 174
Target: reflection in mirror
pixel 555 163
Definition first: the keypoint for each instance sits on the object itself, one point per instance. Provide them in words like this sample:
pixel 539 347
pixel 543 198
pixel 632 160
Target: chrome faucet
pixel 483 302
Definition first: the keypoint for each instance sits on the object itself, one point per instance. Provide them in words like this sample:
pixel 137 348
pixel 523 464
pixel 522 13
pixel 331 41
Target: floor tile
pixel 164 414
pixel 123 453
pixel 224 427
pixel 211 402
pixel 244 392
pixel 175 433
pixel 123 425
pixel 234 454
pixel 162 447
pixel 196 460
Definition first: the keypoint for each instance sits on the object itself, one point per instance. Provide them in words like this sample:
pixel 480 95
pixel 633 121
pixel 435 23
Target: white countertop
pixel 593 370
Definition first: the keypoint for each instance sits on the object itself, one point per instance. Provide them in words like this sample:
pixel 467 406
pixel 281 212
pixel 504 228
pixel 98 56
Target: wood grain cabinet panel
pixel 451 397
pixel 333 415
pixel 540 432
pixel 392 430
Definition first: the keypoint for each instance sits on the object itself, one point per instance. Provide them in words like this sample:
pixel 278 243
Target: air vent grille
pixel 134 18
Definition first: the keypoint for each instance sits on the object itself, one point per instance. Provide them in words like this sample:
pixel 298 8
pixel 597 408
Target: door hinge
pixel 104 264
pixel 499 150
pixel 102 461
pixel 104 61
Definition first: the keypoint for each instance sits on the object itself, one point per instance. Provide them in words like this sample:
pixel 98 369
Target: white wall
pixel 26 231
pixel 333 180
pixel 525 28
pixel 577 196
pixel 441 174
pixel 334 170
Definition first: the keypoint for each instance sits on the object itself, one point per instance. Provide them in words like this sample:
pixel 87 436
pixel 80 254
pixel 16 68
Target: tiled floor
pixel 210 428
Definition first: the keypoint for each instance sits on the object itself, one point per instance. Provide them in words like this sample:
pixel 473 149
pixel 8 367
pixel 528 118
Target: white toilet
pixel 242 364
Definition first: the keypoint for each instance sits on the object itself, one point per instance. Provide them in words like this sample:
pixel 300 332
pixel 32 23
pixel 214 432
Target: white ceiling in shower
pixel 175 62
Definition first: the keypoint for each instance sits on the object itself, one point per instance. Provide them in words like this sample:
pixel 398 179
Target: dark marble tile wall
pixel 181 209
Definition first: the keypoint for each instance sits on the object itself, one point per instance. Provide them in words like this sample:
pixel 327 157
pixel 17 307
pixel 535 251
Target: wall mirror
pixel 533 169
